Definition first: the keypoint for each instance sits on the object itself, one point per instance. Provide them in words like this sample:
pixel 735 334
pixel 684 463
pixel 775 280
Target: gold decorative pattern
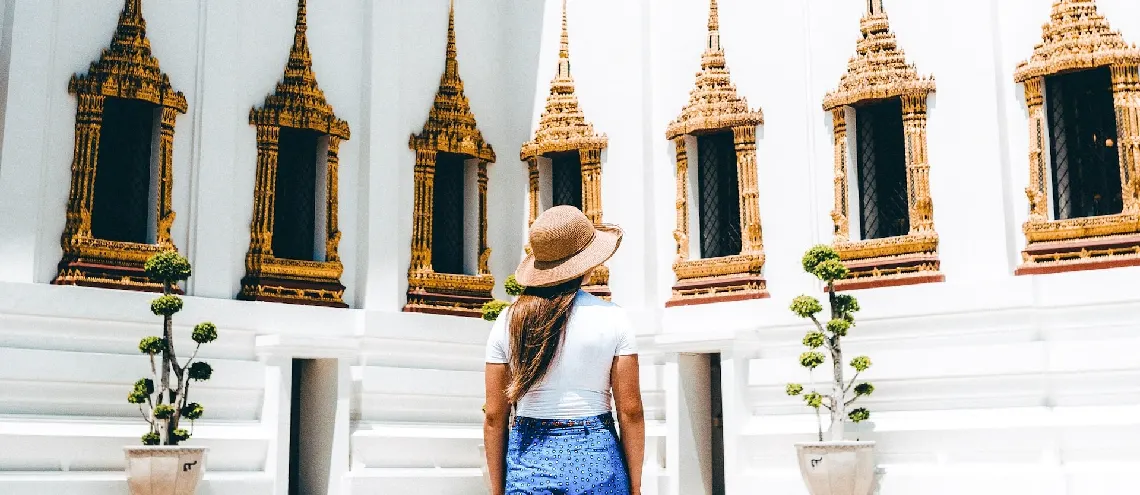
pixel 450 128
pixel 713 106
pixel 127 70
pixel 297 103
pixel 563 127
pixel 879 70
pixel 1077 37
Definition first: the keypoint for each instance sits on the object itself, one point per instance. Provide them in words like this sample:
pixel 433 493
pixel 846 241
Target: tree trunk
pixel 835 432
pixel 167 357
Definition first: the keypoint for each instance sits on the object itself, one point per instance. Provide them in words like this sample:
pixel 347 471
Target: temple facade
pixel 343 177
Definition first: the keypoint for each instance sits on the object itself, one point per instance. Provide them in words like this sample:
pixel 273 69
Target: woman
pixel 553 357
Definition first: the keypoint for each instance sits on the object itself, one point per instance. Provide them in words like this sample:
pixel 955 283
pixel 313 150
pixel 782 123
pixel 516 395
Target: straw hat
pixel 564 245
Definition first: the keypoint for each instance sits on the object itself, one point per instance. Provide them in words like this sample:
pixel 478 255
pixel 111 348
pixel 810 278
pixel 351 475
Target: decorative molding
pixel 879 70
pixel 297 103
pixel 128 70
pixel 563 128
pixel 714 106
pixel 1077 37
pixel 450 128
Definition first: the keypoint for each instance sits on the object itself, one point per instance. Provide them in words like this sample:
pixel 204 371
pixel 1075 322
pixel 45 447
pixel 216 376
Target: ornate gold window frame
pixel 128 70
pixel 562 128
pixel 1077 37
pixel 298 103
pixel 878 71
pixel 714 106
pixel 450 128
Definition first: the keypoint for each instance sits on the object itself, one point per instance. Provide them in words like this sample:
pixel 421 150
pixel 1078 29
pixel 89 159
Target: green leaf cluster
pixel 166 305
pixel 168 267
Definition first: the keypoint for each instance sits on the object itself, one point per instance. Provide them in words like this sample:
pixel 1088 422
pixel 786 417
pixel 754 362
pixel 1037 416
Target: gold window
pixel 1082 89
pixel 718 129
pixel 883 215
pixel 442 279
pixel 294 234
pixel 119 209
pixel 574 151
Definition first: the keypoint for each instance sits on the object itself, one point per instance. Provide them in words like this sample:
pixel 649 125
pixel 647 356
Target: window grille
pixel 881 157
pixel 719 195
pixel 121 200
pixel 447 215
pixel 1082 130
pixel 566 171
pixel 294 206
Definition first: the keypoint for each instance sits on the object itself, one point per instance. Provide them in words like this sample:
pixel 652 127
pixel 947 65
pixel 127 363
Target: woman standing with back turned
pixel 554 356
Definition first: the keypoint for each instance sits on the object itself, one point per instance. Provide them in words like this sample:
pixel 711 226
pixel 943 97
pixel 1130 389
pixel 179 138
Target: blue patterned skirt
pixel 566 457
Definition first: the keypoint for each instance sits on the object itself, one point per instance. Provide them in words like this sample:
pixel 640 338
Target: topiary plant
pixel 492 309
pixel 823 262
pixel 166 393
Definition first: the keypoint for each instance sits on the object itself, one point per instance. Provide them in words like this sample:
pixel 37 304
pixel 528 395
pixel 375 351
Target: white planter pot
pixel 837 468
pixel 483 464
pixel 164 470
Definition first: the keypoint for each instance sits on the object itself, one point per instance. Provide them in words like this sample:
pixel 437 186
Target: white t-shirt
pixel 577 385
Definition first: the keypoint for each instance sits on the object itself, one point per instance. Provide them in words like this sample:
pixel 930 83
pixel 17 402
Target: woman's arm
pixel 626 380
pixel 495 428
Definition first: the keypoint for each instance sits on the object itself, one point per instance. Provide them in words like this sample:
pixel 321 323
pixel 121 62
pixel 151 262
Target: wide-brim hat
pixel 564 245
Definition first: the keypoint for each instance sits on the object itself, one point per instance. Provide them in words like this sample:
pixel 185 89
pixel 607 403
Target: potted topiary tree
pixel 161 466
pixel 491 312
pixel 835 466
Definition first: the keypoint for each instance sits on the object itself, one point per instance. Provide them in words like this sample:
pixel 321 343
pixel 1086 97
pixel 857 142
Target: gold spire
pixel 879 68
pixel 451 126
pixel 874 7
pixel 714 27
pixel 298 101
pixel 713 103
pixel 1076 37
pixel 564 46
pixel 563 126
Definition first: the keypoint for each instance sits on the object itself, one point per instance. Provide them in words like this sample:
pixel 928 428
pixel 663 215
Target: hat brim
pixel 535 273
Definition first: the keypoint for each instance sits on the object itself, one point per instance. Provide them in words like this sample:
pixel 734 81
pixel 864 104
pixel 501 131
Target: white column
pixel 735 415
pixel 689 444
pixel 275 419
pixel 220 205
pixel 30 89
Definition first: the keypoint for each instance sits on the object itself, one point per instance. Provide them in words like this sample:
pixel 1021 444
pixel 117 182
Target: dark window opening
pixel 298 366
pixel 122 197
pixel 447 214
pixel 1082 130
pixel 718 195
pixel 294 207
pixel 566 176
pixel 716 401
pixel 884 210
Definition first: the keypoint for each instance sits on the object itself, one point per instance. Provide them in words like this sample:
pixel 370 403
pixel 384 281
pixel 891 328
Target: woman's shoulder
pixel 587 300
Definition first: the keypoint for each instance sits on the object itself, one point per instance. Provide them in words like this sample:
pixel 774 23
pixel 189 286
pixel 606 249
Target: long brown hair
pixel 537 323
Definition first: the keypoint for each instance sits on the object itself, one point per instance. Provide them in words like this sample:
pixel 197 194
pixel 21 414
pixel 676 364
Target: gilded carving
pixel 128 70
pixel 879 70
pixel 297 103
pixel 563 127
pixel 450 128
pixel 713 106
pixel 1078 37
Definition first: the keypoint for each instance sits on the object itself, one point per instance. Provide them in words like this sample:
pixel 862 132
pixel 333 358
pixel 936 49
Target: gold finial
pixel 132 9
pixel 302 16
pixel 451 51
pixel 714 27
pixel 564 47
pixel 874 7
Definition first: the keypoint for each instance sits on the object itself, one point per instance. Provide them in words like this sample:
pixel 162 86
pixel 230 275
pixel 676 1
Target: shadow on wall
pixel 507 201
